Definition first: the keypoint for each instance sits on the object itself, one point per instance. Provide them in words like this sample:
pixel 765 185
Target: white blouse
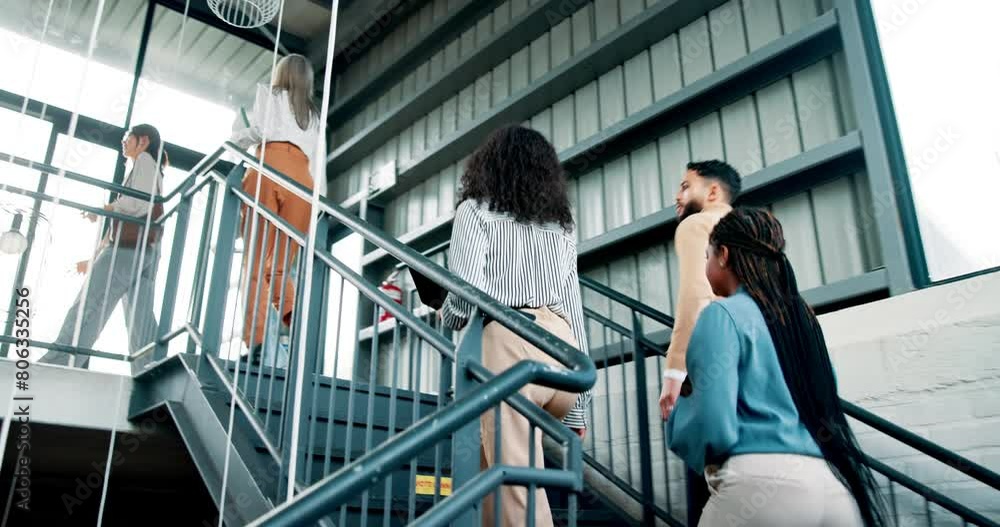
pixel 272 119
pixel 144 177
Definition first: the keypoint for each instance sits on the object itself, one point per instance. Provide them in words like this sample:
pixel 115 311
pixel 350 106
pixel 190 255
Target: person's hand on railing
pixel 89 216
pixel 82 266
pixel 582 432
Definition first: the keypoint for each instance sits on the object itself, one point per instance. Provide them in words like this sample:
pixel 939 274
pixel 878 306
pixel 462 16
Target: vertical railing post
pixel 312 357
pixel 173 276
pixel 195 313
pixel 222 264
pixel 642 404
pixel 467 442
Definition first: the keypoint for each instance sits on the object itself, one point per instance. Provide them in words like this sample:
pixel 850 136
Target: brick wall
pixel 930 362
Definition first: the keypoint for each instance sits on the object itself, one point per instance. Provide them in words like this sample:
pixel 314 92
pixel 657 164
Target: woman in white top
pixel 124 268
pixel 285 128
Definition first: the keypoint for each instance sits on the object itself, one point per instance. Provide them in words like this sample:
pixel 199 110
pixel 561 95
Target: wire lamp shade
pixel 245 13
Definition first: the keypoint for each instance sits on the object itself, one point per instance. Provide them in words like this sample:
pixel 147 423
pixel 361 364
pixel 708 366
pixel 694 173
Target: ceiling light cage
pixel 245 13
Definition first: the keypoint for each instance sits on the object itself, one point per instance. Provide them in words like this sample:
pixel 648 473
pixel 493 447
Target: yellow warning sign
pixel 425 485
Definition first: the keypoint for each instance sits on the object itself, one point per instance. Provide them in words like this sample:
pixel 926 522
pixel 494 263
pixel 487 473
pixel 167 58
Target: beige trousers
pixel 501 350
pixel 777 490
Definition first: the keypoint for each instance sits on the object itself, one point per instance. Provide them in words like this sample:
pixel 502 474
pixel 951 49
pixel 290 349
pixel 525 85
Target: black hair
pixel 155 143
pixel 517 171
pixel 756 246
pixel 719 171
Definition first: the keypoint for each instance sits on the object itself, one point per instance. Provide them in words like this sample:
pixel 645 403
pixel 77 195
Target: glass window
pixel 949 120
pixel 53 67
pixel 26 137
pixel 191 93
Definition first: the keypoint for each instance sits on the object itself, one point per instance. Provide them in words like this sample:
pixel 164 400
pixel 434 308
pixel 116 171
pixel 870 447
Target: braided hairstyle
pixel 756 246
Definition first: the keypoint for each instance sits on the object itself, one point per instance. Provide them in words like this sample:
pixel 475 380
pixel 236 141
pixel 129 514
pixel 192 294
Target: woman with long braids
pixel 761 416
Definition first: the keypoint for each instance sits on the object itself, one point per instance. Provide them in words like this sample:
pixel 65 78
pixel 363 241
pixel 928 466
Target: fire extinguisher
pixel 394 292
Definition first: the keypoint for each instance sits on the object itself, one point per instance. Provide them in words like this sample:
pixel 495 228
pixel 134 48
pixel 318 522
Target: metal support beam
pixel 222 264
pixel 894 214
pixel 464 464
pixel 173 277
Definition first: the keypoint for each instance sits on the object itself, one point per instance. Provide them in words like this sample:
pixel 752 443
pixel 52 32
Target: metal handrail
pixel 72 204
pixel 581 373
pixel 921 444
pixel 74 176
pixel 313 503
pixel 638 307
pixel 934 450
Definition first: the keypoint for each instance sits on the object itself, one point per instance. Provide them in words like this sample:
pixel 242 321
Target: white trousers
pixel 777 490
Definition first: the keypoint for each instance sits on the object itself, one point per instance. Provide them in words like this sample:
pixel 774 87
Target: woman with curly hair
pixel 512 238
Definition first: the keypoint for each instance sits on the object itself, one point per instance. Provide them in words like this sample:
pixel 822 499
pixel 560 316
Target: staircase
pixel 393 437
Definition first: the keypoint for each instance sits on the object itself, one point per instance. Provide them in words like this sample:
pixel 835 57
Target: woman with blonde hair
pixel 284 126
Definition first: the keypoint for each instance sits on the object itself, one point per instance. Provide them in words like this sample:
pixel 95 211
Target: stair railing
pixel 622 328
pixel 620 338
pixel 274 407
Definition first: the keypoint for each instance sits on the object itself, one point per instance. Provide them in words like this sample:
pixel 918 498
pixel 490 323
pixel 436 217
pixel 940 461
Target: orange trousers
pixel 267 276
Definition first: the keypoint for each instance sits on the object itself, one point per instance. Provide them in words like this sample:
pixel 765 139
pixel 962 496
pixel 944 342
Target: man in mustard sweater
pixel 704 197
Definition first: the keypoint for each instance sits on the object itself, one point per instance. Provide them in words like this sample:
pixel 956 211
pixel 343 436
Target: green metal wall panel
pixel 796 13
pixel 437 65
pixel 617 189
pixel 501 83
pixel 706 138
pixel 501 17
pixel 468 43
pixel 646 193
pixel 600 304
pixel 563 124
pixel 449 183
pixel 520 72
pixel 840 243
pixel 605 17
pixel 419 137
pixel 696 51
pixel 517 8
pixel 629 9
pixel 741 136
pixel 591 187
pixel 728 35
pixel 638 83
pixel 801 246
pixel 763 22
pixel 778 124
pixel 653 270
pixel 543 123
pixel 466 106
pixel 434 126
pixel 449 116
pixel 483 88
pixel 611 89
pixel 867 226
pixel 573 192
pixel 484 30
pixel 539 57
pixel 406 145
pixel 816 105
pixel 666 58
pixel 674 156
pixel 561 43
pixel 430 198
pixel 452 54
pixel 583 28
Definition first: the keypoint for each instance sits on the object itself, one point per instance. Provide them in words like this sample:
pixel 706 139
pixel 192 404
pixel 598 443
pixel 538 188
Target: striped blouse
pixel 520 265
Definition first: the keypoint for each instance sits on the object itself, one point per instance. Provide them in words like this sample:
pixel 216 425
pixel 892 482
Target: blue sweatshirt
pixel 740 403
